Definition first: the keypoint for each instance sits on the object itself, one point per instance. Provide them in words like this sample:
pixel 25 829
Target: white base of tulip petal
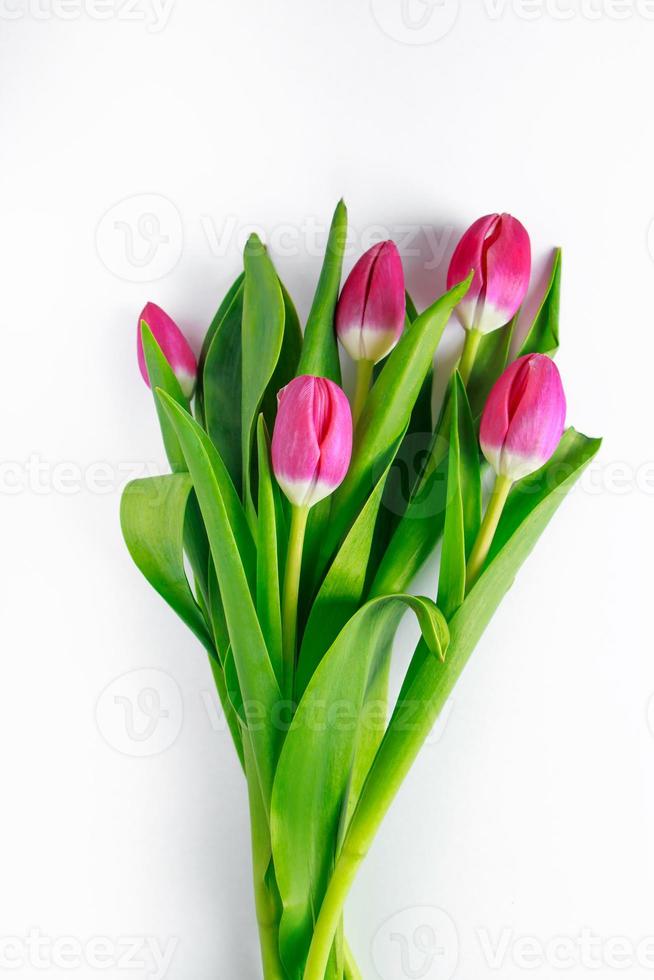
pixel 186 382
pixel 490 317
pixel 367 344
pixel 512 465
pixel 304 493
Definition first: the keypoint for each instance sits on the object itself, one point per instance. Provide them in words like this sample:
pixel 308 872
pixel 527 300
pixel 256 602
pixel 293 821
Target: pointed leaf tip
pixel 254 245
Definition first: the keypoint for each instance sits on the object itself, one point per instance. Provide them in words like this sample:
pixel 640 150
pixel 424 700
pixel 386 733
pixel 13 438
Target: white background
pixel 530 814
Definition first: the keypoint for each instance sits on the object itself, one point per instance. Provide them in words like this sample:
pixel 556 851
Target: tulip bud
pixel 524 416
pixel 372 305
pixel 497 248
pixel 312 439
pixel 174 345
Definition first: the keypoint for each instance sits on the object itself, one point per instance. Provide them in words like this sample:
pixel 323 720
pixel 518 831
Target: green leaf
pixel 411 311
pixel 529 509
pixel 421 525
pixel 316 761
pixel 230 715
pixel 262 337
pixel 370 731
pixel 217 614
pixel 196 547
pixel 491 360
pixel 268 593
pixel 256 677
pixel 221 382
pixel 229 496
pixel 289 356
pixel 152 515
pixel 421 420
pixel 543 336
pixel 341 590
pixel 162 376
pixel 463 508
pixel 397 493
pixel 215 324
pixel 387 412
pixel 320 350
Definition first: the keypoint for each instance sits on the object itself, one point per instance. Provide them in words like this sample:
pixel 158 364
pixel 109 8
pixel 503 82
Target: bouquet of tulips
pixel 280 540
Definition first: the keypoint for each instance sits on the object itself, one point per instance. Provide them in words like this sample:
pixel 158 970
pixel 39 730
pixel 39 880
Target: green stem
pixel 331 911
pixel 268 935
pixel 364 381
pixel 228 708
pixel 351 971
pixel 479 553
pixel 299 517
pixel 264 900
pixel 470 348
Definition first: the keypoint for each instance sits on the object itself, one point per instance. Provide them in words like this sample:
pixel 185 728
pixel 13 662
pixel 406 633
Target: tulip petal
pixel 538 419
pixel 507 268
pixel 497 247
pixel 524 416
pixel 312 439
pixel 172 342
pixel 371 309
pixel 468 255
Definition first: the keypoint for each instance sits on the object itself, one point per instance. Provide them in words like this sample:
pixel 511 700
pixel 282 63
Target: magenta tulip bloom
pixel 174 345
pixel 312 439
pixel 371 308
pixel 523 418
pixel 497 248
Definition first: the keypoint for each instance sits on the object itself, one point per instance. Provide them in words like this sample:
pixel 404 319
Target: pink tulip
pixel 371 308
pixel 312 439
pixel 174 345
pixel 524 416
pixel 497 248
